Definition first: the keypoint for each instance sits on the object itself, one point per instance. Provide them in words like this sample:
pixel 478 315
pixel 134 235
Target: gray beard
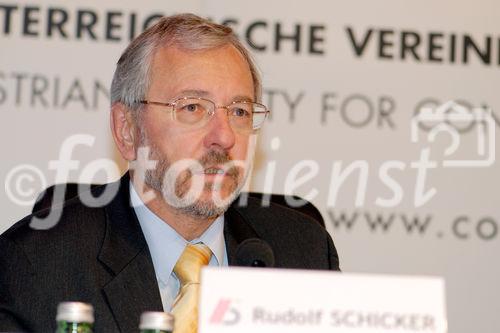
pixel 200 209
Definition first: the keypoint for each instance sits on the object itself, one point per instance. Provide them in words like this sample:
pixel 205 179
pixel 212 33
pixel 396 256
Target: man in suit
pixel 184 114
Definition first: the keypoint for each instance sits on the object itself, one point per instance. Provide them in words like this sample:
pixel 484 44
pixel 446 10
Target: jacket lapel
pixel 236 230
pixel 133 288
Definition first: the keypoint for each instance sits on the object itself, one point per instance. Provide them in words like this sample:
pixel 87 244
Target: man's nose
pixel 220 133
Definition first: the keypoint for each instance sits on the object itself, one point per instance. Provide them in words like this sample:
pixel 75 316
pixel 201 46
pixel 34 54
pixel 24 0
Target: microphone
pixel 254 252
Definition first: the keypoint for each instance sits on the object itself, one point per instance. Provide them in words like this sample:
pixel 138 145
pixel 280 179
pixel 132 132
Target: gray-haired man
pixel 185 106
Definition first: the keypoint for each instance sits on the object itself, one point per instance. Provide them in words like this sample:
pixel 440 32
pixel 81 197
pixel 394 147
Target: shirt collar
pixel 166 245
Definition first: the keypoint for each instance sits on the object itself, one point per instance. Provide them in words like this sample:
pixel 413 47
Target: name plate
pixel 240 300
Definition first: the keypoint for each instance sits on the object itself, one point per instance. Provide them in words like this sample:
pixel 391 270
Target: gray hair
pixel 187 31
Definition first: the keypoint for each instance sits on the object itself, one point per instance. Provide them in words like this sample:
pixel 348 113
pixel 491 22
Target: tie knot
pixel 188 267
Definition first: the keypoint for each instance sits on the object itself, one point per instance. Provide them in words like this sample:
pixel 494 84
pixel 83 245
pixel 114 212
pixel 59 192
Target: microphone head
pixel 254 252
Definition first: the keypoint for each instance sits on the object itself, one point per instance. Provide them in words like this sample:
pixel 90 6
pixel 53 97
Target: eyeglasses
pixel 196 111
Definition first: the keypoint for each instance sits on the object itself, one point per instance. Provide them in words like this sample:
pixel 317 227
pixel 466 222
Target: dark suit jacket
pixel 99 255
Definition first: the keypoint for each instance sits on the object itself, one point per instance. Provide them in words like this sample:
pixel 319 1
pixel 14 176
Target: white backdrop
pixel 343 80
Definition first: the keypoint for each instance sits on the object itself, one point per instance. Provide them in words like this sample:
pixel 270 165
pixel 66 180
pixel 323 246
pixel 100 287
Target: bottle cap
pixel 75 312
pixel 156 321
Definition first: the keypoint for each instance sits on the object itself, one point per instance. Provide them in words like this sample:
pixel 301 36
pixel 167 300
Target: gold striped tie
pixel 187 269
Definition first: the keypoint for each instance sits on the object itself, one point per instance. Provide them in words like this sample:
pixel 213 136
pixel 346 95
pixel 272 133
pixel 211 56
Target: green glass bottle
pixel 156 322
pixel 75 317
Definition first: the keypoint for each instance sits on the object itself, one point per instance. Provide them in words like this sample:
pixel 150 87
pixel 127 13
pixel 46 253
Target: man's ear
pixel 123 130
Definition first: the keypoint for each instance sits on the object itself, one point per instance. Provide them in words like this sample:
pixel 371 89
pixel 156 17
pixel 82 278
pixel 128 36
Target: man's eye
pixel 191 107
pixel 239 112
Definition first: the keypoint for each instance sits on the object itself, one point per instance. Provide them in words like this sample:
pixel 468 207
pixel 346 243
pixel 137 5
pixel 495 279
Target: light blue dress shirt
pixel 166 246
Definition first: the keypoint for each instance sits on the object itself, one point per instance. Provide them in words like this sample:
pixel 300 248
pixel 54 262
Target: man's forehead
pixel 183 56
pixel 198 73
